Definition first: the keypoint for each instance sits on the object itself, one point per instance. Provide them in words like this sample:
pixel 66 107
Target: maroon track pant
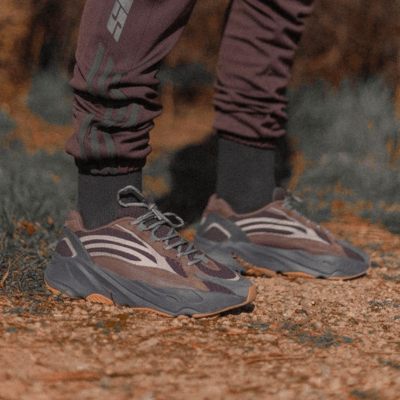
pixel 120 46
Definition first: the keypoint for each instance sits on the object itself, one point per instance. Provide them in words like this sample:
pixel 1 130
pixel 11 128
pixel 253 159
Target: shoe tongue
pixel 131 211
pixel 126 207
pixel 161 232
pixel 279 194
pixel 136 211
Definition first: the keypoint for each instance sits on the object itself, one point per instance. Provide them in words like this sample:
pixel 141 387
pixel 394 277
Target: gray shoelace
pixel 172 239
pixel 287 203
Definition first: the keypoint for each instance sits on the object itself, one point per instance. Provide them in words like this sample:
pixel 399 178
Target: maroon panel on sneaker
pixel 215 234
pixel 217 288
pixel 133 212
pixel 322 235
pixel 224 272
pixel 177 267
pixel 352 254
pixel 63 249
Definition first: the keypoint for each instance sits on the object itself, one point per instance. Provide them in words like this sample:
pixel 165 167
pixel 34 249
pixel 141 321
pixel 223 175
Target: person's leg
pixel 122 249
pixel 120 46
pixel 248 225
pixel 257 51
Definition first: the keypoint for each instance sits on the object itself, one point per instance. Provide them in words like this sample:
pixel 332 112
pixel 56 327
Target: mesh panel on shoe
pixel 133 212
pixel 352 254
pixel 161 232
pixel 164 230
pixel 63 249
pixel 177 268
pixel 322 235
pixel 136 212
pixel 215 234
pixel 213 287
pixel 223 272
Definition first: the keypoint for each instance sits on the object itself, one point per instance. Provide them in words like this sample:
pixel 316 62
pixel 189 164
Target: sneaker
pixel 276 240
pixel 140 261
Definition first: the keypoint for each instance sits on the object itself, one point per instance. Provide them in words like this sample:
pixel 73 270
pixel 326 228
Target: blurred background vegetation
pixel 344 101
pixel 343 38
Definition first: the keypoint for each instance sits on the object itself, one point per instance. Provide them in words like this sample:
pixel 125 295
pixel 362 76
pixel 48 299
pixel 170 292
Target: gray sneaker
pixel 276 240
pixel 140 261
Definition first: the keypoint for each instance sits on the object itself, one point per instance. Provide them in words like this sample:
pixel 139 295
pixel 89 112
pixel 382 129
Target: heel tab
pixel 74 221
pixel 217 205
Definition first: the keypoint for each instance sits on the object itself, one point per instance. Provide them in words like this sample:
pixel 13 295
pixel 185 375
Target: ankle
pixel 245 175
pixel 97 196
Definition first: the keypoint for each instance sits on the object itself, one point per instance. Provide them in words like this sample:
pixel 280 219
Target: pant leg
pixel 120 45
pixel 257 52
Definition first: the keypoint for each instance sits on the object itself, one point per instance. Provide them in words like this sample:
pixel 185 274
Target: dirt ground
pixel 301 339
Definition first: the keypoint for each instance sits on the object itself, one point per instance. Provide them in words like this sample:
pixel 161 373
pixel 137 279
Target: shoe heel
pixel 69 277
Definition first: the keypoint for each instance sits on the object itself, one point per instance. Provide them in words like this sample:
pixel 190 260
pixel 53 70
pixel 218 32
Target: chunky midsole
pixel 80 278
pixel 281 260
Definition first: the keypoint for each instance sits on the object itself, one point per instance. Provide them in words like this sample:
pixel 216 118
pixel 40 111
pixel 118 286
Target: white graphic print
pixel 289 228
pixel 117 19
pixel 104 242
pixel 70 246
pixel 219 227
pixel 236 278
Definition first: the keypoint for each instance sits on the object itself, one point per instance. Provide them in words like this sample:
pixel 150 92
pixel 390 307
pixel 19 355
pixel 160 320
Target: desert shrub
pixel 6 124
pixel 35 188
pixel 51 97
pixel 36 193
pixel 348 137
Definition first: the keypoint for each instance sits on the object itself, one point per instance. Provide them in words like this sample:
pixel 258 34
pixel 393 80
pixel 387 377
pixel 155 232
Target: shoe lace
pixel 154 219
pixel 288 201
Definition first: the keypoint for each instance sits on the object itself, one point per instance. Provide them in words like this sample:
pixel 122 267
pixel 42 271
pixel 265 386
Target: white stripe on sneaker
pixel 161 262
pixel 140 250
pixel 219 227
pixel 288 228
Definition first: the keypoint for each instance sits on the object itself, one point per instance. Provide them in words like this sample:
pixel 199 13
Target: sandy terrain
pixel 301 339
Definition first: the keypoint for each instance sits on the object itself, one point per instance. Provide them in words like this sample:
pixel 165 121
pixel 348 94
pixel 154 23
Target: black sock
pixel 245 175
pixel 97 196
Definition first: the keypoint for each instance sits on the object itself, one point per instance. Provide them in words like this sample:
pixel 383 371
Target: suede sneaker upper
pixel 141 261
pixel 276 238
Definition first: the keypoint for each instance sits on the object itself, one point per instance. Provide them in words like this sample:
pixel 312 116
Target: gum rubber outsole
pixel 98 298
pixel 254 270
pixel 250 259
